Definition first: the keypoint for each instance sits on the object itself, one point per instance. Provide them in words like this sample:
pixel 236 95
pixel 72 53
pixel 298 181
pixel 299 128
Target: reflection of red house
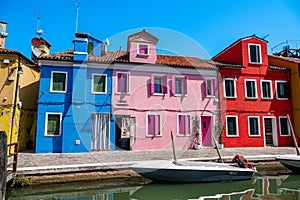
pixel 255 97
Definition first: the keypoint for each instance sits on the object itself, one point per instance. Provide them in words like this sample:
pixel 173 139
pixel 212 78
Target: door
pixel 206 130
pixel 100 132
pixel 269 131
pixel 125 132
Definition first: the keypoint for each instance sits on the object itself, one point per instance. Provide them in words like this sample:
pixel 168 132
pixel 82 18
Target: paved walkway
pixel 31 163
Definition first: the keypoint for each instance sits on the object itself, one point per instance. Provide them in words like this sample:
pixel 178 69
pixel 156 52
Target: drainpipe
pixel 219 106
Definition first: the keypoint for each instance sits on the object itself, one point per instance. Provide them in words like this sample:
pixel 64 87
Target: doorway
pixel 269 131
pixel 206 131
pixel 125 132
pixel 100 132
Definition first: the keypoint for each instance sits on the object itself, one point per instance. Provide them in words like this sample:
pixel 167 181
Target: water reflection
pixel 260 187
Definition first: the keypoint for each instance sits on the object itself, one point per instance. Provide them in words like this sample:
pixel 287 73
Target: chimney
pixel 121 49
pixel 81 46
pixel 3 34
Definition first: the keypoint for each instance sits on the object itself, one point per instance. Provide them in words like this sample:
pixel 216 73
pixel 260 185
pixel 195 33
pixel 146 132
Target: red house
pixel 255 97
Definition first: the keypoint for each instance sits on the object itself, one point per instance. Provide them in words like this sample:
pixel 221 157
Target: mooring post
pixel 3 164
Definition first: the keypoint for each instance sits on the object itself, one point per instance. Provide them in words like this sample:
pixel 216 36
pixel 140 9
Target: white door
pixel 100 132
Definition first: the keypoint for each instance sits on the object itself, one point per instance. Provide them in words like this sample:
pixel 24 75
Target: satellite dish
pixel 107 42
pixel 36 52
pixel 39 32
pixel 36 42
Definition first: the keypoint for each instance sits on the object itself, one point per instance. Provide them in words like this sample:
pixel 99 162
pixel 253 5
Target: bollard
pixel 3 164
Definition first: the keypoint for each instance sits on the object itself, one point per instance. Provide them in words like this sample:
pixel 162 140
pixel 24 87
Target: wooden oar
pixel 293 134
pixel 173 147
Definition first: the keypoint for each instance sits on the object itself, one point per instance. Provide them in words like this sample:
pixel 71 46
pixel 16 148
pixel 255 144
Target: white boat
pixel 190 171
pixel 292 162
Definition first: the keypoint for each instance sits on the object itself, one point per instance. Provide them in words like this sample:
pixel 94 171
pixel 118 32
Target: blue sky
pixel 181 26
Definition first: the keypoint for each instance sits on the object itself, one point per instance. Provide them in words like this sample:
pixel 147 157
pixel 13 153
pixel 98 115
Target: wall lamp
pixel 20 68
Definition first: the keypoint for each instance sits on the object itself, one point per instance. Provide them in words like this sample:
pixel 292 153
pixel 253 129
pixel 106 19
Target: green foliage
pixel 196 125
pixel 21 181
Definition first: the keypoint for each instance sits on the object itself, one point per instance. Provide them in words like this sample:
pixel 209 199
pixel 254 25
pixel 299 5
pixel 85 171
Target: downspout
pixel 219 108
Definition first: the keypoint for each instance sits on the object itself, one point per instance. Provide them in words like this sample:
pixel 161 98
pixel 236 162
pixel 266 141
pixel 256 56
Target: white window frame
pixel 161 76
pixel 237 126
pixel 235 92
pixel 255 85
pixel 120 72
pixel 278 81
pixel 249 53
pixel 138 49
pixel 258 122
pixel 261 89
pixel 211 86
pixel 51 81
pixel 182 86
pixel 288 125
pixel 92 83
pixel 46 123
pixel 160 122
pixel 189 134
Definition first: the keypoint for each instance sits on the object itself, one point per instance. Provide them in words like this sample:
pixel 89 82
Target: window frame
pixel 46 124
pixel 190 125
pixel 138 49
pixel 237 126
pixel 51 81
pixel 92 83
pixel 246 89
pixel 164 84
pixel 234 84
pixel 276 87
pixel 160 123
pixel 258 126
pixel 211 87
pixel 288 126
pixel 259 53
pixel 261 89
pixel 128 82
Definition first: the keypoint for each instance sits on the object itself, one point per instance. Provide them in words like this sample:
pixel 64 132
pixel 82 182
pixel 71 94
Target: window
pixel 122 82
pixel 266 89
pixel 53 124
pixel 231 126
pixel 282 90
pixel 253 126
pixel 230 88
pixel 210 85
pixel 58 81
pixel 153 125
pixel 183 125
pixel 143 49
pixel 254 53
pixel 284 126
pixel 91 48
pixel 99 83
pixel 179 85
pixel 250 87
pixel 158 84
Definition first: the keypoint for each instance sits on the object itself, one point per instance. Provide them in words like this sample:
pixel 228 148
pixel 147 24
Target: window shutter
pixel 173 89
pixel 180 124
pixel 157 124
pixel 206 87
pixel 151 124
pixel 152 84
pixel 215 87
pixel 187 124
pixel 120 78
pixel 185 85
pixel 127 82
pixel 165 84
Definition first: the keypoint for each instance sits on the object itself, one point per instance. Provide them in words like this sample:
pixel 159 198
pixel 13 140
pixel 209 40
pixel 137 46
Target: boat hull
pixel 193 174
pixel 291 162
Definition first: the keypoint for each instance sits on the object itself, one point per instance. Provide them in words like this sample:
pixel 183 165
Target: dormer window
pixel 143 49
pixel 254 53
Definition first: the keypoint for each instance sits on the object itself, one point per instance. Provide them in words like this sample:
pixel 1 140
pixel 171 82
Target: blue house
pixel 74 105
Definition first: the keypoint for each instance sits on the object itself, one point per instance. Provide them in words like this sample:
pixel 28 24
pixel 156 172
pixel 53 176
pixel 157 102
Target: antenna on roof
pixel 77 8
pixel 265 36
pixel 107 42
pixel 39 31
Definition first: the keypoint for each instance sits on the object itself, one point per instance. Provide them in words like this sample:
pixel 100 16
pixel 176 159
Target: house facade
pixel 255 96
pixel 92 100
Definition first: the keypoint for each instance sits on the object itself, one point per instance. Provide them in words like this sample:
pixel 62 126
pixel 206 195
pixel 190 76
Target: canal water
pixel 260 187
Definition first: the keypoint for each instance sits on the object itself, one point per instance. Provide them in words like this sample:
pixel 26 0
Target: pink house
pixel 154 95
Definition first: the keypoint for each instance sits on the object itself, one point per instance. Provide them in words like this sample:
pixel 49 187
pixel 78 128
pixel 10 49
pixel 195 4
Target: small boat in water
pixel 291 162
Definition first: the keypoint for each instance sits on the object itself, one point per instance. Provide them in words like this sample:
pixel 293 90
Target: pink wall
pixel 140 101
pixel 134 57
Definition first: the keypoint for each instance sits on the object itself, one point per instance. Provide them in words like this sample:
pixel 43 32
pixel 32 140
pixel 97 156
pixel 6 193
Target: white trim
pixel 51 81
pixel 81 39
pixel 80 52
pixel 178 125
pixel 288 125
pixel 237 126
pixel 274 130
pixel 138 49
pixel 279 81
pixel 160 123
pixel 258 123
pixel 271 89
pixel 51 63
pixel 182 86
pixel 46 123
pixel 92 83
pixel 257 63
pixel 212 86
pixel 234 83
pixel 116 87
pixel 162 82
pixel 255 87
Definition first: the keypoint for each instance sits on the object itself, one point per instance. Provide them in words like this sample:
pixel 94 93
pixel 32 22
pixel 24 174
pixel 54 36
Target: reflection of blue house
pixel 74 106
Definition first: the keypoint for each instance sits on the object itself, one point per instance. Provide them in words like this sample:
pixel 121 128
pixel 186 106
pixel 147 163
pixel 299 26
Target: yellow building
pixel 19 83
pixel 294 65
